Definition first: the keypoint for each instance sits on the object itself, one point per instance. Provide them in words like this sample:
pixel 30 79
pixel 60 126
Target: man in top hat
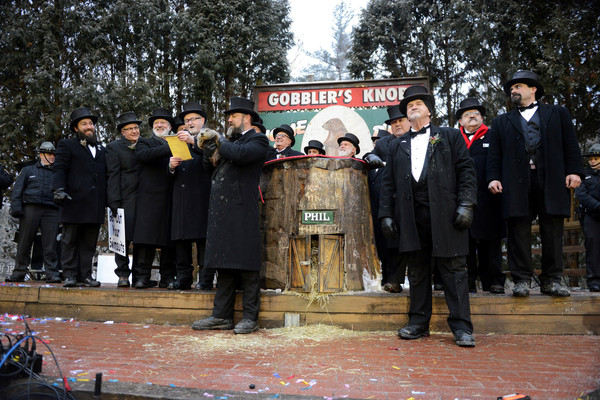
pixel 32 203
pixel 381 133
pixel 153 206
pixel 534 161
pixel 349 145
pixel 178 124
pixel 284 141
pixel 257 125
pixel 233 242
pixel 428 194
pixel 393 263
pixel 79 185
pixel 588 195
pixel 314 148
pixel 191 191
pixel 122 171
pixel 488 227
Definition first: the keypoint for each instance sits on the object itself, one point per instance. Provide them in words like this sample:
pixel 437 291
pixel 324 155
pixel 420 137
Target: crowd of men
pixel 442 200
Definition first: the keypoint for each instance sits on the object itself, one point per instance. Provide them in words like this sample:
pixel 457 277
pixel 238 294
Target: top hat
pixel 380 134
pixel 394 113
pixel 527 77
pixel 46 147
pixel 127 118
pixel 259 124
pixel 192 107
pixel 287 130
pixel 594 151
pixel 162 113
pixel 242 105
pixel 177 122
pixel 79 114
pixel 314 144
pixel 417 92
pixel 350 137
pixel 470 103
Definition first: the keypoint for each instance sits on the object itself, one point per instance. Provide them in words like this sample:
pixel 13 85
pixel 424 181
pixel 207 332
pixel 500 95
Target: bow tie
pixel 523 108
pixel 420 131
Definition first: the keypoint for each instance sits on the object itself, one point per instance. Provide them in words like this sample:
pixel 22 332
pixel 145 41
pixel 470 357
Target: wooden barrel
pixel 316 225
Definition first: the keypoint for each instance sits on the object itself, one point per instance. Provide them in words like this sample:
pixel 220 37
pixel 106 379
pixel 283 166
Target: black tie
pixel 523 108
pixel 420 131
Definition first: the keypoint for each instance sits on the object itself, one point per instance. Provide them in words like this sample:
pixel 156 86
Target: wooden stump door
pixel 320 256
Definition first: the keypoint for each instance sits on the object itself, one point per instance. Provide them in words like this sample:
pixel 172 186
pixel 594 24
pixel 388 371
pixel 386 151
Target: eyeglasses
pixel 134 128
pixel 472 113
pixel 188 120
pixel 280 136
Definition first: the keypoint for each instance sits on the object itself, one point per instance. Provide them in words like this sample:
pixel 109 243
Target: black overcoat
pixel 83 177
pixel 487 220
pixel 191 191
pixel 450 180
pixel 558 156
pixel 287 152
pixel 233 239
pixel 153 206
pixel 122 171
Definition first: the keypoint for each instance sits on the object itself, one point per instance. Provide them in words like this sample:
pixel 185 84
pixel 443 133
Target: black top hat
pixel 394 113
pixel 594 151
pixel 127 118
pixel 470 103
pixel 380 134
pixel 242 105
pixel 177 122
pixel 350 137
pixel 417 92
pixel 527 77
pixel 259 124
pixel 79 114
pixel 287 130
pixel 314 144
pixel 162 113
pixel 192 107
pixel 46 147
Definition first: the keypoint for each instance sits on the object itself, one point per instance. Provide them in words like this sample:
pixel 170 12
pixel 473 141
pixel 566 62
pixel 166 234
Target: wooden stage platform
pixel 502 314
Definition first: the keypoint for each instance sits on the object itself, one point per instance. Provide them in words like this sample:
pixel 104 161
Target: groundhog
pixel 207 135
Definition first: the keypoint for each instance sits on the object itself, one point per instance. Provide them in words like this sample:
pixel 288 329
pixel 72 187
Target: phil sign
pixel 317 217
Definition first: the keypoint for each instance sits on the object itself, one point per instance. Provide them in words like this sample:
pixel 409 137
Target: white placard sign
pixel 116 231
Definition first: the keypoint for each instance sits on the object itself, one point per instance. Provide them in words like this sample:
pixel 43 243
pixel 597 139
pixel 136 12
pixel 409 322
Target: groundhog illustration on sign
pixel 336 130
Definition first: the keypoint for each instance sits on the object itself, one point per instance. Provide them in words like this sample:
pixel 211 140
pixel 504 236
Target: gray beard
pixel 163 134
pixel 232 132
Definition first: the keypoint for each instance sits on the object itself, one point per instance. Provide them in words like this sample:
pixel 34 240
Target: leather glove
pixel 60 196
pixel 210 147
pixel 373 161
pixel 16 213
pixel 389 229
pixel 464 216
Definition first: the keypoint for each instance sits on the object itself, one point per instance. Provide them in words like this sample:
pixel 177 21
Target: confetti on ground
pixel 208 395
pixel 393 366
pixel 276 375
pixel 109 322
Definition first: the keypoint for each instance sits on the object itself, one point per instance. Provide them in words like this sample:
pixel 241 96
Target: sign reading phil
pixel 319 95
pixel 317 217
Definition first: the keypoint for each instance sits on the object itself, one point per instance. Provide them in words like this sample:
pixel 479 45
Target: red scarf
pixel 479 134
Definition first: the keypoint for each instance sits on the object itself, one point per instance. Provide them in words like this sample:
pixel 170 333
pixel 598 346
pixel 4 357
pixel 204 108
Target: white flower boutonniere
pixel 435 139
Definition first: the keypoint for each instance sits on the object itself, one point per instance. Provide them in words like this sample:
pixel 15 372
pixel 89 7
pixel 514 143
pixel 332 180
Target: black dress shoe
pixel 464 339
pixel 164 283
pixel 123 282
pixel 15 278
pixel 142 284
pixel 438 286
pixel 70 282
pixel 180 285
pixel 246 326
pixel 392 287
pixel 594 287
pixel 89 282
pixel 521 289
pixel 497 289
pixel 555 289
pixel 410 332
pixel 53 279
pixel 212 323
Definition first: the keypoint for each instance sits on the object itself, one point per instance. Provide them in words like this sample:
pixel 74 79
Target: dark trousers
pixel 123 270
pixel 44 218
pixel 78 249
pixel 395 270
pixel 591 231
pixel 145 258
pixel 453 273
pixel 185 268
pixel 519 240
pixel 485 261
pixel 225 295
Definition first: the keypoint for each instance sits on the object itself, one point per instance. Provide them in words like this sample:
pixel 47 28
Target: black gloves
pixel 388 227
pixel 210 148
pixel 60 196
pixel 16 213
pixel 373 161
pixel 464 216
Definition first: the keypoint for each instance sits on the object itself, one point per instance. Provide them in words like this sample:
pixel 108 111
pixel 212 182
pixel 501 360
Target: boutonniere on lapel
pixel 435 139
pixel 83 142
pixel 132 145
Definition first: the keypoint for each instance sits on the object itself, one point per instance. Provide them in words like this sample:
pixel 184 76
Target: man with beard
pixel 122 169
pixel 534 161
pixel 349 145
pixel 191 190
pixel 284 141
pixel 153 205
pixel 428 194
pixel 79 186
pixel 233 241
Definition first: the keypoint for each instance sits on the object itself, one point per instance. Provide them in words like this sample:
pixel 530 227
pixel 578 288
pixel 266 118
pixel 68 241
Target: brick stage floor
pixel 314 362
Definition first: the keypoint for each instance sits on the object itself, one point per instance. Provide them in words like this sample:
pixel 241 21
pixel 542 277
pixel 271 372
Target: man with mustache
pixel 79 187
pixel 534 161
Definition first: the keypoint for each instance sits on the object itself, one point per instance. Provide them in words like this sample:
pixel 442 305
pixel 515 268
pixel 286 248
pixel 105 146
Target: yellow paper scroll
pixel 178 148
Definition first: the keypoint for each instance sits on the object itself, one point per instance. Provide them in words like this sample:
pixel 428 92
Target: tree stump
pixel 316 225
